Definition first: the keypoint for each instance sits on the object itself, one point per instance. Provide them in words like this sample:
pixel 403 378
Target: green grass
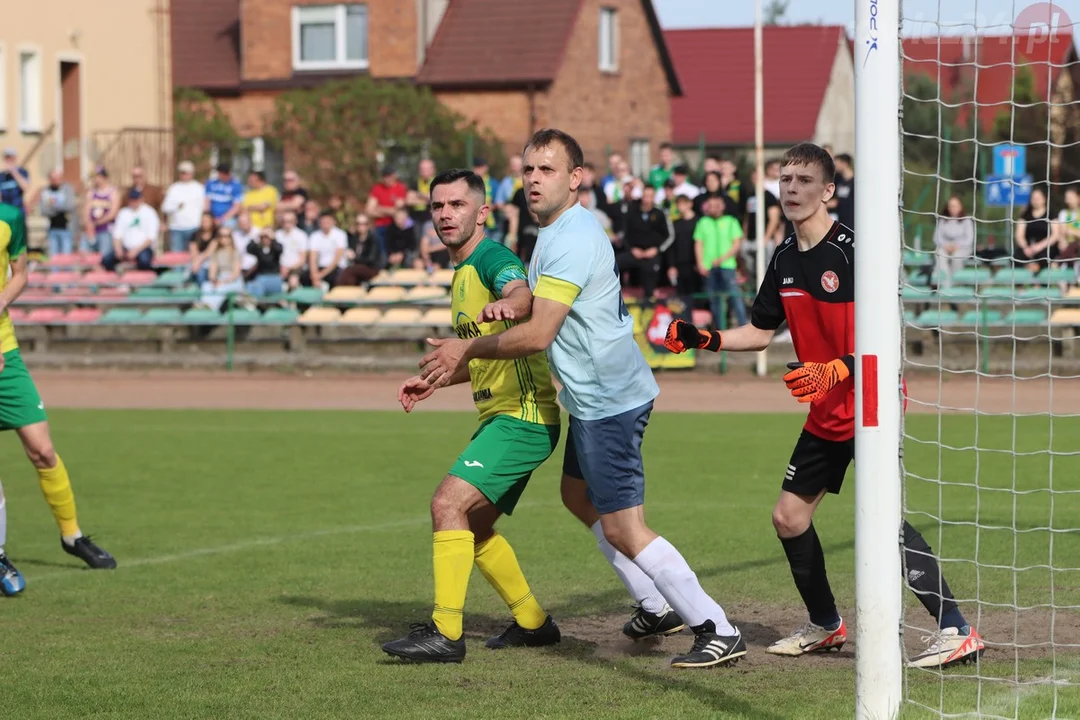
pixel 264 557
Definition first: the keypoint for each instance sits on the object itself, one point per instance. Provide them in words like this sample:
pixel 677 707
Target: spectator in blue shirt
pixel 223 196
pixel 14 180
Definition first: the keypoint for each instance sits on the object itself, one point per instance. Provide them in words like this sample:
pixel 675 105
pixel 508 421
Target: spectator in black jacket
pixel 401 241
pixel 683 271
pixel 365 254
pixel 647 237
pixel 266 275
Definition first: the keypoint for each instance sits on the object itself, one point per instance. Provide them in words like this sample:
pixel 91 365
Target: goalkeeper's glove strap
pixel 710 340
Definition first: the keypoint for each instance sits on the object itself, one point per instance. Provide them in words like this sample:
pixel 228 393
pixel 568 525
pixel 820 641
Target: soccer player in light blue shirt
pixel 578 317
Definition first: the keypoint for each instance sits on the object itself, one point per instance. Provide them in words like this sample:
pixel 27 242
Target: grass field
pixel 264 556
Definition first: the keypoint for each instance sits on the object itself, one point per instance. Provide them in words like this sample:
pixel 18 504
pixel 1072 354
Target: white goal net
pixel 990 304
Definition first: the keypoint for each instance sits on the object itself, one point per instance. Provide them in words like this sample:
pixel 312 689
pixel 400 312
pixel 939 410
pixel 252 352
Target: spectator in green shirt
pixel 659 174
pixel 717 238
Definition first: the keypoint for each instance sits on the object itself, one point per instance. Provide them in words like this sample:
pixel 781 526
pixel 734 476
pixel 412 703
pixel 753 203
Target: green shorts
pixel 20 404
pixel 502 456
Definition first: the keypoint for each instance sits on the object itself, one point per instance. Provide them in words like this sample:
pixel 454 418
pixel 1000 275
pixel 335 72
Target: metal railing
pixel 121 150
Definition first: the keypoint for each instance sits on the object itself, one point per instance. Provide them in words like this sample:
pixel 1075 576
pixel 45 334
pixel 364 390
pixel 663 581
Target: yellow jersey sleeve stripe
pixel 555 289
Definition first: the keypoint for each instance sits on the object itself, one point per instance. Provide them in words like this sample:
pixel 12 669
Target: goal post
pixel 878 360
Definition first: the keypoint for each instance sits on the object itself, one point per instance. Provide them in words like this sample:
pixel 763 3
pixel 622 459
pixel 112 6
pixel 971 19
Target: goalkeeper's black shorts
pixel 818 464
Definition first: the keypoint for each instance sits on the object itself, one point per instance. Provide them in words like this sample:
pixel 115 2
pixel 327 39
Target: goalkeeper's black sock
pixel 926 581
pixel 807 561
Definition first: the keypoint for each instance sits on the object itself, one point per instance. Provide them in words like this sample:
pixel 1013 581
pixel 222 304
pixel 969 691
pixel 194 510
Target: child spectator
pixel 267 272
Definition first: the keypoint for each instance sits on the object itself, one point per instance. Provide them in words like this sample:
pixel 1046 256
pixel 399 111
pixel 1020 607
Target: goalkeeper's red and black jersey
pixel 815 292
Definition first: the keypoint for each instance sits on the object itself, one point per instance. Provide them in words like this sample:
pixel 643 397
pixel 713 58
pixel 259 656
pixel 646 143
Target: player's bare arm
pixel 515 304
pixel 417 389
pixel 20 275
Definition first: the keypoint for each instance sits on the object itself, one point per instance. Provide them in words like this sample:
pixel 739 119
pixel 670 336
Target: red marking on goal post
pixel 869 390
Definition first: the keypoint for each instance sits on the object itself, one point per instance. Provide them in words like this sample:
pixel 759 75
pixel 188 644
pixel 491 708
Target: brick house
pixel 597 68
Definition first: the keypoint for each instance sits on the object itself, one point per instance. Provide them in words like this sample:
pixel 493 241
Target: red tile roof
pixel 716 69
pixel 950 61
pixel 512 43
pixel 205 43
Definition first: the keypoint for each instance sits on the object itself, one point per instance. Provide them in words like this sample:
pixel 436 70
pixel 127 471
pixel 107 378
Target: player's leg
pixel 652 615
pixel 817 466
pixel 609 453
pixel 956 641
pixel 21 408
pixel 11 580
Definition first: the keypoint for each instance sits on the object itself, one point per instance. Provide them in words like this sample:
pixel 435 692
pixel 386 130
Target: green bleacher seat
pixel 120 315
pixel 306 296
pixel 280 316
pixel 1014 276
pixel 188 293
pixel 997 292
pixel 909 316
pixel 203 316
pixel 241 316
pixel 151 292
pixel 972 276
pixel 914 258
pixel 917 278
pixel 163 315
pixel 981 317
pixel 936 318
pixel 1026 316
pixel 957 294
pixel 1057 275
pixel 1039 293
pixel 171 278
pixel 917 293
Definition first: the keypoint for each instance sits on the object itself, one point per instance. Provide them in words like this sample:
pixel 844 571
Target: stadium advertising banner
pixel 650 326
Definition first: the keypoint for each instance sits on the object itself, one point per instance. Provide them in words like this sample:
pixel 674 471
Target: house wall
pixel 125 73
pixel 505 113
pixel 607 110
pixel 266 38
pixel 836 119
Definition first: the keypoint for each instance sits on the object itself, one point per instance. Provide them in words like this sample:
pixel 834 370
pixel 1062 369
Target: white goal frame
pixel 878 358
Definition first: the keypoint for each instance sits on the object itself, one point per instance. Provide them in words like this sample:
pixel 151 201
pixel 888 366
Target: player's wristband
pixel 711 340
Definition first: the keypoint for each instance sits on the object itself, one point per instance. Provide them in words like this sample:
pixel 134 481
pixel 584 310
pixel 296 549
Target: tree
pixel 774 12
pixel 199 125
pixel 334 134
pixel 1027 122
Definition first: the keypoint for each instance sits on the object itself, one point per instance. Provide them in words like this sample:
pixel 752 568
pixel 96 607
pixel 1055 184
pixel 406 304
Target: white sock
pixel 637 583
pixel 69 540
pixel 680 587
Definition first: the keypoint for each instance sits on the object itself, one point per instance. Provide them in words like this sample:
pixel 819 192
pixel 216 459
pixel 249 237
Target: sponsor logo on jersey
pixel 481 395
pixel 789 281
pixel 829 282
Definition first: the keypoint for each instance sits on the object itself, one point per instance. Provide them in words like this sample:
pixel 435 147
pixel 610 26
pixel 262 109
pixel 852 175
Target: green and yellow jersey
pixel 519 388
pixel 12 245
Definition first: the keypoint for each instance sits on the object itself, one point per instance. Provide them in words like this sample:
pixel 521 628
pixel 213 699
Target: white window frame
pixel 640 151
pixel 31 104
pixel 3 87
pixel 336 14
pixel 608 39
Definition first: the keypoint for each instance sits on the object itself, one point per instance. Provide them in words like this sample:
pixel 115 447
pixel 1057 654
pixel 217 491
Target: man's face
pixel 311 208
pixel 291 181
pixel 1072 199
pixel 678 179
pixel 427 169
pixel 137 176
pixel 614 161
pixel 548 179
pixel 727 168
pixel 254 181
pixel 772 170
pixel 288 220
pixel 326 223
pixel 243 221
pixel 389 180
pixel 685 207
pixel 711 165
pixel 666 157
pixel 456 212
pixel 803 190
pixel 185 176
pixel 56 177
pixel 588 177
pixel 515 166
pixel 648 198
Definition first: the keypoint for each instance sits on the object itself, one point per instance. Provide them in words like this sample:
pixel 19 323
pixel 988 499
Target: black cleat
pixel 710 649
pixel 517 636
pixel 644 624
pixel 85 549
pixel 425 643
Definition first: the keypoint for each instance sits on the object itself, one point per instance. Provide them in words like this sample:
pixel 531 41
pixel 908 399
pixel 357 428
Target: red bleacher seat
pixel 38 278
pixel 111 292
pixel 138 277
pixel 65 260
pixel 90 259
pixel 44 315
pixel 100 277
pixel 63 277
pixel 73 294
pixel 37 293
pixel 16 314
pixel 83 315
pixel 172 259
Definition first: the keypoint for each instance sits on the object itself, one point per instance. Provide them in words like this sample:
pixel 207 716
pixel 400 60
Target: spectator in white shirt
pixel 243 235
pixel 680 177
pixel 134 234
pixel 183 207
pixel 327 247
pixel 294 249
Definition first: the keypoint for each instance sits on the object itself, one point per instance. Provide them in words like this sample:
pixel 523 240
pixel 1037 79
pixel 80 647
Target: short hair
pixel 1073 189
pixel 327 214
pixel 810 154
pixel 449 177
pixel 666 146
pixel 259 174
pixel 588 166
pixel 844 158
pixel 550 136
pixel 683 197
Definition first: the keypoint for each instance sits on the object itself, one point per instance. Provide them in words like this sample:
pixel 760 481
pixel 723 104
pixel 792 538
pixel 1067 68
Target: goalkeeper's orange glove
pixel 682 336
pixel 812 381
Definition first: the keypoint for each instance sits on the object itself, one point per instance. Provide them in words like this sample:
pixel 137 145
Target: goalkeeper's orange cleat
pixel 812 381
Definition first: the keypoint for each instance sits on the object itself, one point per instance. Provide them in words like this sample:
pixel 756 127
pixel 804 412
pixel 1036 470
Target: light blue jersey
pixel 594 357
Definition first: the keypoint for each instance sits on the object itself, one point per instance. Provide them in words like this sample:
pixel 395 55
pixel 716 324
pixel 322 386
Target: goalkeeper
pixel 810 282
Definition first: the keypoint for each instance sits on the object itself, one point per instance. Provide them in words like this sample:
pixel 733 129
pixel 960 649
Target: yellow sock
pixel 499 565
pixel 453 555
pixel 56 486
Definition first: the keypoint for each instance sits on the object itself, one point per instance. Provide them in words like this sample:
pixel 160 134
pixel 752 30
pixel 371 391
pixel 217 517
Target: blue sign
pixel 1010 160
pixel 1005 191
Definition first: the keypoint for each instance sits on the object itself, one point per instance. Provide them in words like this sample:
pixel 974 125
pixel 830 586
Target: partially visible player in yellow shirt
pixel 519 429
pixel 22 410
pixel 261 200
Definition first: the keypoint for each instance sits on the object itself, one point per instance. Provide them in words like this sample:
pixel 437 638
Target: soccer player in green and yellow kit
pixel 519 429
pixel 21 408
